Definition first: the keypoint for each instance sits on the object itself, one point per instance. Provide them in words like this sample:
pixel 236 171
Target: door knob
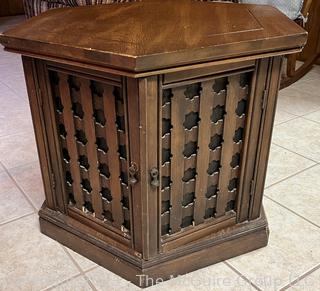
pixel 133 170
pixel 154 173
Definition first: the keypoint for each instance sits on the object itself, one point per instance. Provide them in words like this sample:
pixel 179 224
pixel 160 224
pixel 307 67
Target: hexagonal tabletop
pixel 152 34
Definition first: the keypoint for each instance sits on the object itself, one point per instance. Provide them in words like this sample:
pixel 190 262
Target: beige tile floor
pixel 32 261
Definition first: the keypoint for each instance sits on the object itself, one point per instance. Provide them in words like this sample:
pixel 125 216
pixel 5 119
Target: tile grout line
pixel 292 211
pixel 16 218
pixel 313 111
pixel 290 176
pixel 303 82
pixel 79 268
pixel 24 165
pixel 295 152
pixel 306 274
pixel 69 279
pixel 91 269
pixel 284 110
pixel 305 118
pixel 241 275
pixel 20 189
pixel 294 118
pixel 18 133
pixel 54 285
pixel 89 282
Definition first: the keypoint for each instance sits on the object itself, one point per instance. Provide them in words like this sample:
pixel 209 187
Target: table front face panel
pixel 92 132
pixel 201 142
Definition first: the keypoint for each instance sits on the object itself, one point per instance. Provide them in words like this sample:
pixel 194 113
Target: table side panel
pixel 269 110
pixel 36 106
pixel 89 124
pixel 255 112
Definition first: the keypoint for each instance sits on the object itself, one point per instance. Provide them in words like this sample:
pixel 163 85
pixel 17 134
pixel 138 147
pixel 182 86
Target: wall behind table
pixel 11 7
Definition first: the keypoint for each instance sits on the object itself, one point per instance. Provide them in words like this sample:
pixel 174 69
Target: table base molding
pixel 231 242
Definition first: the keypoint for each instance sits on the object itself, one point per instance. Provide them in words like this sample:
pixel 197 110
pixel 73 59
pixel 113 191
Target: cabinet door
pixel 89 152
pixel 204 145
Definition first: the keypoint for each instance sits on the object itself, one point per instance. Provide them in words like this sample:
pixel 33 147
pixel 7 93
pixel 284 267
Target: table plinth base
pixel 231 242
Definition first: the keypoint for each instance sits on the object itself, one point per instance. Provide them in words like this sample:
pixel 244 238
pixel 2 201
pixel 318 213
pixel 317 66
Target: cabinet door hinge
pixel 39 95
pixel 264 99
pixel 53 181
pixel 252 188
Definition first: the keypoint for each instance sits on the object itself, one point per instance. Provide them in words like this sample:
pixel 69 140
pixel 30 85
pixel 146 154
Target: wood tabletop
pixel 153 34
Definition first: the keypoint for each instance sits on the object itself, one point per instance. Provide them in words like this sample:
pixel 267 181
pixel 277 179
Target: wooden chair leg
pixel 302 71
pixel 291 65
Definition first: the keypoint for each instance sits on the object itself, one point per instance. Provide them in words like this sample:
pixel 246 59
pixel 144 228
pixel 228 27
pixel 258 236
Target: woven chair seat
pixel 35 7
pixel 291 8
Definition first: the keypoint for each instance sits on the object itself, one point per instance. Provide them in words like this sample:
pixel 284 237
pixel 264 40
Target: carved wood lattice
pixel 202 137
pixel 92 131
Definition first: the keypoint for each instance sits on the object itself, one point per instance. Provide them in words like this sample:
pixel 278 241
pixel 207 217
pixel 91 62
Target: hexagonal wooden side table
pixel 153 123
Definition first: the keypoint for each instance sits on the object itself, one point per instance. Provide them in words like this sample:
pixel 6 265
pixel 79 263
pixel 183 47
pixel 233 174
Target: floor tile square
pixel 309 283
pixel 29 178
pixel 283 163
pixel 15 81
pixel 314 116
pixel 18 149
pixel 10 101
pixel 293 249
pixel 13 204
pixel 29 259
pixel 12 64
pixel 300 136
pixel 309 83
pixel 15 121
pixel 311 76
pixel 7 59
pixel 300 193
pixel 298 101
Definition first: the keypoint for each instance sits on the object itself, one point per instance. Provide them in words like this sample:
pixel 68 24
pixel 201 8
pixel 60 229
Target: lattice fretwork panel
pixel 202 136
pixel 92 129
